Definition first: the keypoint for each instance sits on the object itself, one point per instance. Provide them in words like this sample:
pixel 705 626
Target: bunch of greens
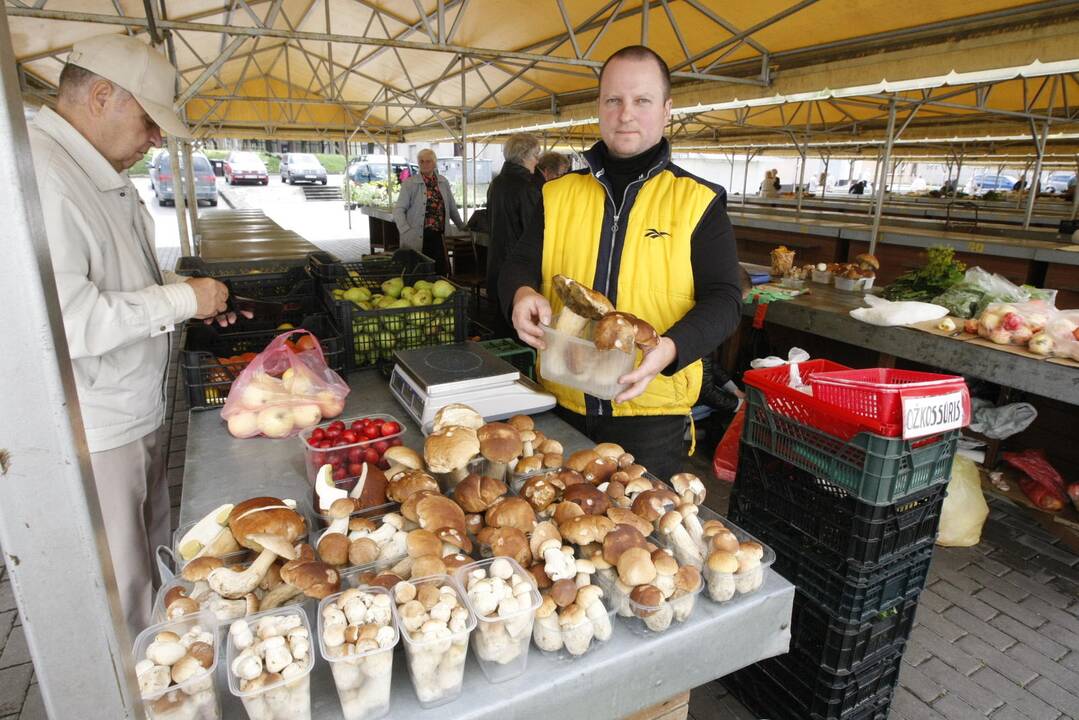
pixel 941 272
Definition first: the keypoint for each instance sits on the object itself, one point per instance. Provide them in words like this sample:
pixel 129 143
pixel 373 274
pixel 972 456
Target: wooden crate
pixel 675 708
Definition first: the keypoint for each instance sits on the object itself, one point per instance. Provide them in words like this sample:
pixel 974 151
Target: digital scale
pixel 426 379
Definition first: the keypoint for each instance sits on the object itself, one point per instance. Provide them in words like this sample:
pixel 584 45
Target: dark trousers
pixel 656 442
pixel 434 249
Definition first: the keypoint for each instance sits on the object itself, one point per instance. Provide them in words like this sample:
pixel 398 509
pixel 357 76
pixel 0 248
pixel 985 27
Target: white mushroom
pixel 240 632
pixel 154 680
pixel 231 583
pixel 165 653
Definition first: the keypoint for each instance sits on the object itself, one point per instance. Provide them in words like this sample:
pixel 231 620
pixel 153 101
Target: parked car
pixel 245 167
pixel 1058 182
pixel 373 168
pixel 302 167
pixel 981 184
pixel 161 179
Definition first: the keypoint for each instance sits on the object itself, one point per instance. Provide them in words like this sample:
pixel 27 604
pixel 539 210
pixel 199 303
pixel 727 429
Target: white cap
pixel 137 68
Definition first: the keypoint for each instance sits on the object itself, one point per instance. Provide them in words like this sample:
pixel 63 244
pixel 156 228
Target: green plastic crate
pixel 520 356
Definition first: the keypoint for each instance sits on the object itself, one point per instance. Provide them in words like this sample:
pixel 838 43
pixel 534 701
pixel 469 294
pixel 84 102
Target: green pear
pixel 357 294
pixel 386 340
pixel 368 325
pixel 401 303
pixel 393 323
pixel 442 289
pixel 438 301
pixel 423 284
pixel 422 297
pixel 386 301
pixel 393 287
pixel 407 292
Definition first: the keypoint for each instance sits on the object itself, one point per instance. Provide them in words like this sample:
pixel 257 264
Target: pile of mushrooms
pixel 174 675
pixel 274 665
pixel 436 625
pixel 503 599
pixel 368 492
pixel 358 636
pixel 731 566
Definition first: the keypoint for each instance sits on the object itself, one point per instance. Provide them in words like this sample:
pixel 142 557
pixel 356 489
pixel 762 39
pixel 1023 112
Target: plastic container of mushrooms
pixel 371 543
pixel 175 664
pixel 435 624
pixel 357 635
pixel 503 597
pixel 270 656
pixel 652 607
pixel 571 631
pixel 576 362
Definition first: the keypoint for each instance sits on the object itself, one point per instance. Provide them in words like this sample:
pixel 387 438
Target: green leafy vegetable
pixel 941 272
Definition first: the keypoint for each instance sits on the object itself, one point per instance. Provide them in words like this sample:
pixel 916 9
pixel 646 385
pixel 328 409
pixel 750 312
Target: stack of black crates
pixel 852 520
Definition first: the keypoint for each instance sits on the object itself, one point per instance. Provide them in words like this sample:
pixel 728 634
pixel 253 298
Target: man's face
pixel 127 131
pixel 632 110
pixel 427 165
pixel 531 160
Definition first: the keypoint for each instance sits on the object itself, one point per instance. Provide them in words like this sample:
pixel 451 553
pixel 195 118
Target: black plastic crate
pixel 785 688
pixel 520 356
pixel 816 510
pixel 285 280
pixel 371 270
pixel 848 595
pixel 371 336
pixel 209 378
pixel 876 469
pixel 841 648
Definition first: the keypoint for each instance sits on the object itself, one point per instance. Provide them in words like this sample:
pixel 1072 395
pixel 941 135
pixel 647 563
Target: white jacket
pixel 118 307
pixel 411 206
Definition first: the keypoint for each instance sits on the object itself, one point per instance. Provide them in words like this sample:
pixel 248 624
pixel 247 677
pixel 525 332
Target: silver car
pixel 302 167
pixel 161 179
pixel 1058 182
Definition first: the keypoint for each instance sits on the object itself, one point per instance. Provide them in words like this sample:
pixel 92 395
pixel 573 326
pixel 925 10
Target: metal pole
pixel 876 169
pixel 348 185
pixel 193 202
pixel 958 170
pixel 50 520
pixel 745 176
pixel 801 179
pixel 1026 169
pixel 1075 190
pixel 464 145
pixel 389 164
pixel 731 185
pixel 1032 187
pixel 880 190
pixel 178 195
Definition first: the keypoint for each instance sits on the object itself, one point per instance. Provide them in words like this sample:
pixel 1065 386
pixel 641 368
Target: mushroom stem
pixel 278 596
pixel 234 584
pixel 570 323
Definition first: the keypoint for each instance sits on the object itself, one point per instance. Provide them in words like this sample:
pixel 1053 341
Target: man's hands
pixel 530 309
pixel 210 299
pixel 651 365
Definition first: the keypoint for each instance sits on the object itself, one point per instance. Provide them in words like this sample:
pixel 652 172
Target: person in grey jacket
pixel 424 206
pixel 119 308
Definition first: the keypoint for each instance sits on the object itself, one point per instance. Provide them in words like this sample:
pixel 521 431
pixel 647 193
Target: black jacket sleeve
pixel 717 290
pixel 524 259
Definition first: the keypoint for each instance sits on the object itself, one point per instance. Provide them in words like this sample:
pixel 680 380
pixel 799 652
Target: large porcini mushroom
pixel 586 529
pixel 689 487
pixel 370 488
pixel 635 567
pixel 448 451
pixel 579 305
pixel 615 331
pixel 541 491
pixel 407 482
pixel 434 512
pixel 234 584
pixel 265 516
pixel 400 458
pixel 507 542
pixel 591 500
pixel 500 444
pixel 456 414
pixel 622 538
pixel 622 516
pixel 512 512
pixel 476 493
pixel 209 536
pixel 685 549
pixel 579 460
pixel 646 337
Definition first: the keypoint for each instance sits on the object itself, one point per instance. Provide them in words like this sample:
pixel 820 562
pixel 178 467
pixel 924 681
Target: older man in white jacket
pixel 119 309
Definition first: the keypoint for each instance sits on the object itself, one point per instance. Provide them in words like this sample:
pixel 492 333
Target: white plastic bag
pixel 904 312
pixel 1063 329
pixel 965 509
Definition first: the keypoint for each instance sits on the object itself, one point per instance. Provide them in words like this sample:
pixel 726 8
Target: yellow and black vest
pixel 645 265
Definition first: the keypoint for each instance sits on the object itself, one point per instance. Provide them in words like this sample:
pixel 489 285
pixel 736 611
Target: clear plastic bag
pixel 1063 331
pixel 286 388
pixel 903 312
pixel 964 511
pixel 1015 323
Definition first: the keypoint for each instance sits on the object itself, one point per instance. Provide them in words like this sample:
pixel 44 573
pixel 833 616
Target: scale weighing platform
pixel 426 379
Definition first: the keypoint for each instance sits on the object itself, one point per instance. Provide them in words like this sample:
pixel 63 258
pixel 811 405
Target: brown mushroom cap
pixel 362 551
pixel 581 300
pixel 476 493
pixel 362 524
pixel 408 507
pixel 635 567
pixel 651 504
pixel 507 542
pixel 200 567
pixel 457 414
pixel 565 511
pixel 403 455
pixel 687 579
pixel 579 460
pixel 427 565
pixel 423 542
pixel 563 592
pixel 664 562
pixel 868 261
pixel 499 442
pixel 609 450
pixel 725 541
pixel 313 578
pixel 374 486
pixel 456 560
pixel 622 516
pixel 721 561
pixel 412 481
pixel 689 487
pixel 617 541
pixel 521 422
pixel 647 598
pixel 265 515
pixel 586 529
pixel 450 448
pixel 456 538
pixel 511 512
pixel 600 470
pixel 569 476
pixel 541 491
pixel 646 336
pixel 529 464
pixel 437 511
pixel 591 500
pixel 539 574
pixel 333 548
pixel 341 508
pixel 615 331
pixel 385 580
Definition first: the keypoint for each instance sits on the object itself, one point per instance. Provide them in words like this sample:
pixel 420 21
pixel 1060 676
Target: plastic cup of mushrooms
pixel 357 636
pixel 175 663
pixel 435 624
pixel 270 657
pixel 503 597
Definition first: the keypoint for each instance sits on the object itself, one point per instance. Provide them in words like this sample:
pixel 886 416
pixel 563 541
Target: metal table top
pixel 624 675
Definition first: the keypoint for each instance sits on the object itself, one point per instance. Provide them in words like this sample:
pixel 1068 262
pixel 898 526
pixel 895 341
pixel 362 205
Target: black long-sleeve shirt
pixel 713 255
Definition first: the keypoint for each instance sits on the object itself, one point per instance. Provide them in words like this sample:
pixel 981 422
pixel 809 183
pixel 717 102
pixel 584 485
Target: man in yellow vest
pixel 651 237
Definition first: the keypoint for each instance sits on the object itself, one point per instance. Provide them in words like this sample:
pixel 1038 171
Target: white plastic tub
pixel 575 362
pixel 194 699
pixel 285 699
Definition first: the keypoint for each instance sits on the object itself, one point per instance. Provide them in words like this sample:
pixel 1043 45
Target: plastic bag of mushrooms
pixel 590 344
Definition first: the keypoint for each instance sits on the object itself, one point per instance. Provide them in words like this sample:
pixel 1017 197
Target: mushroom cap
pixel 455 537
pixel 333 548
pixel 547 606
pixel 529 464
pixel 600 470
pixel 403 455
pixel 725 541
pixel 581 300
pixel 374 485
pixel 569 476
pixel 362 551
pixel 615 331
pixel 265 515
pixel 362 524
pixel 609 450
pixel 511 512
pixel 438 511
pixel 571 616
pixel 670 521
pixel 476 492
pixel 539 574
pixel 408 507
pixel 591 500
pixel 542 490
pixel 423 542
pixel 711 527
pixel 450 448
pixel 543 532
pixel 457 414
pixel 386 580
pixel 474 523
pixel 585 529
pixel 579 460
pixel 689 487
pixel 507 542
pixel 456 560
pixel 619 540
pixel 751 548
pixel 276 544
pixel 563 592
pixel 622 516
pixel 664 562
pixel 341 508
pixel 313 578
pixel 687 579
pixel 549 446
pixel 428 565
pixel 647 598
pixel 645 336
pixel 651 504
pixel 635 567
pixel 721 561
pixel 566 511
pixel 499 442
pixel 868 260
pixel 588 594
pixel 521 422
pixel 200 567
pixel 411 481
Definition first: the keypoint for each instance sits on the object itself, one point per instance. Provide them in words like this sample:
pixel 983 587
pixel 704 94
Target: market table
pixel 622 676
pixel 825 311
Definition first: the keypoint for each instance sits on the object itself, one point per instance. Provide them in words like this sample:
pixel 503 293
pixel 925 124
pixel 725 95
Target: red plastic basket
pixel 877 393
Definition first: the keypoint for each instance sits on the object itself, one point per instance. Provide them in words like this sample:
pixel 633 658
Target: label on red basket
pixel 932 414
